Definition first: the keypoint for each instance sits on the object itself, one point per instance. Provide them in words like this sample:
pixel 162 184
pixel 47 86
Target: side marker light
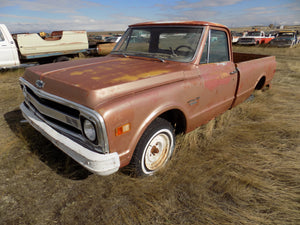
pixel 123 129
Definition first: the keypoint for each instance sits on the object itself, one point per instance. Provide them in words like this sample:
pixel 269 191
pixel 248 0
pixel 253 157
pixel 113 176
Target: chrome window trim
pixel 208 47
pixel 84 112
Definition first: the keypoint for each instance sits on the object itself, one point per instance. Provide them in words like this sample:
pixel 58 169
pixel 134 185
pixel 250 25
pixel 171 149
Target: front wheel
pixel 154 149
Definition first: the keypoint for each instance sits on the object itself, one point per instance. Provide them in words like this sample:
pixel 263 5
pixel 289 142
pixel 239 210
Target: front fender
pixel 139 110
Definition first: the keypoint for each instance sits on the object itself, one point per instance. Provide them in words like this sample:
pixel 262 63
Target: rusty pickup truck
pixel 125 109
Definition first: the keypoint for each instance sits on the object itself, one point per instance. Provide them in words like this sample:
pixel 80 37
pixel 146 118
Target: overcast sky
pixel 98 15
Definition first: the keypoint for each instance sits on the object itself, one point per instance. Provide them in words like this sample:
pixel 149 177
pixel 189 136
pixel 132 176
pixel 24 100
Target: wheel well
pixel 260 83
pixel 177 119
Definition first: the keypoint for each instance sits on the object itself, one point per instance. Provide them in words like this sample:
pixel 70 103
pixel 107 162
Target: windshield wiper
pixel 138 54
pixel 120 52
pixel 150 55
pixel 160 59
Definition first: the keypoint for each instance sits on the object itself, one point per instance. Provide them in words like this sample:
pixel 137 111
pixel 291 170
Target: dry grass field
pixel 241 168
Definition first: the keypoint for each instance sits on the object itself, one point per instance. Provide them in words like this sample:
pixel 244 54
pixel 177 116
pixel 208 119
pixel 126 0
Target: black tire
pixel 154 149
pixel 61 59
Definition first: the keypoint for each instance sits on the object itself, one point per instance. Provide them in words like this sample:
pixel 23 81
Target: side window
pixel 216 48
pixel 1 36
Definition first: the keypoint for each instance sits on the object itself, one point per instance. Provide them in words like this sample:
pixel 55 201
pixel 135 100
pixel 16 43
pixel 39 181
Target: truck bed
pixel 242 57
pixel 33 45
pixel 255 71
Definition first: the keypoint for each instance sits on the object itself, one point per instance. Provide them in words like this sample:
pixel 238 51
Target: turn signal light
pixel 123 129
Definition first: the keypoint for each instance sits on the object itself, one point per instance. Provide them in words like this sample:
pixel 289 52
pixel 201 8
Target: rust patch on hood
pixel 129 77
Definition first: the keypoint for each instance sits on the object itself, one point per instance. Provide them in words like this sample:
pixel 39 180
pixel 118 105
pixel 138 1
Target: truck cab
pixel 8 50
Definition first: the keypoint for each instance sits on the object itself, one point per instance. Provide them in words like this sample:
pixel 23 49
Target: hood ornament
pixel 39 84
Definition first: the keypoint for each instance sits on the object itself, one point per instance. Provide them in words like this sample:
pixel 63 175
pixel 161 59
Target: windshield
pixel 256 33
pixel 163 43
pixel 290 34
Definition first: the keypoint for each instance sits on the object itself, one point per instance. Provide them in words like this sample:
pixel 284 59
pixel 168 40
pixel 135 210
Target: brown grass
pixel 241 168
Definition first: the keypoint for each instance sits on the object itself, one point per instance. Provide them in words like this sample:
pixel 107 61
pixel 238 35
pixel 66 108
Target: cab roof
pixel 177 23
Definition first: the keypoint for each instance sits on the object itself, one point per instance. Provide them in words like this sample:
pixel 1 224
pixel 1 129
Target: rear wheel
pixel 154 149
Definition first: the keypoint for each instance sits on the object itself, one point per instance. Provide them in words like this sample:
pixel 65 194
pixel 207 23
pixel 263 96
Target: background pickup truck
pixel 106 47
pixel 22 48
pixel 285 39
pixel 255 38
pixel 126 108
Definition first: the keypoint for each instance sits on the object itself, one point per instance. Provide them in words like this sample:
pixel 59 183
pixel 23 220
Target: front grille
pixel 65 116
pixel 51 104
pixel 246 40
pixel 54 113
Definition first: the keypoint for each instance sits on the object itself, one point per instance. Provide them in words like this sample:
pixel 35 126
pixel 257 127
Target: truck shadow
pixel 44 149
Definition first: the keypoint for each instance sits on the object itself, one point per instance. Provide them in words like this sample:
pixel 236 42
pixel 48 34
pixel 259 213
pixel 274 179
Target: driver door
pixel 217 79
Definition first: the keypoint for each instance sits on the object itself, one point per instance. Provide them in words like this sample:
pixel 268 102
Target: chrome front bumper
pixel 101 164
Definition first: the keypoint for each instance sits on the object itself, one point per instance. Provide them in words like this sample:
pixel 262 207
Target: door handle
pixel 233 72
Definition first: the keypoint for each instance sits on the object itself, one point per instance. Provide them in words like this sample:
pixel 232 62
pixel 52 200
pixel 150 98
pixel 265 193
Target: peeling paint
pixel 96 78
pixel 222 64
pixel 223 75
pixel 77 73
pixel 139 76
pixel 104 68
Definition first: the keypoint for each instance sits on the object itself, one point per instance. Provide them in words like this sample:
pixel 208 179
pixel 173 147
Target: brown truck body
pixel 122 94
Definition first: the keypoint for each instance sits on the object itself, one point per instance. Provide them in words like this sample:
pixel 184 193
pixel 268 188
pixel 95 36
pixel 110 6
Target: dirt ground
pixel 241 168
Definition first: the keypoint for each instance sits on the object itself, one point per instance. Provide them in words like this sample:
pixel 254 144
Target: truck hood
pixel 91 82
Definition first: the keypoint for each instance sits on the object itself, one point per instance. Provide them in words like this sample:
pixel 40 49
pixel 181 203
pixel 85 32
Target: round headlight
pixel 89 130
